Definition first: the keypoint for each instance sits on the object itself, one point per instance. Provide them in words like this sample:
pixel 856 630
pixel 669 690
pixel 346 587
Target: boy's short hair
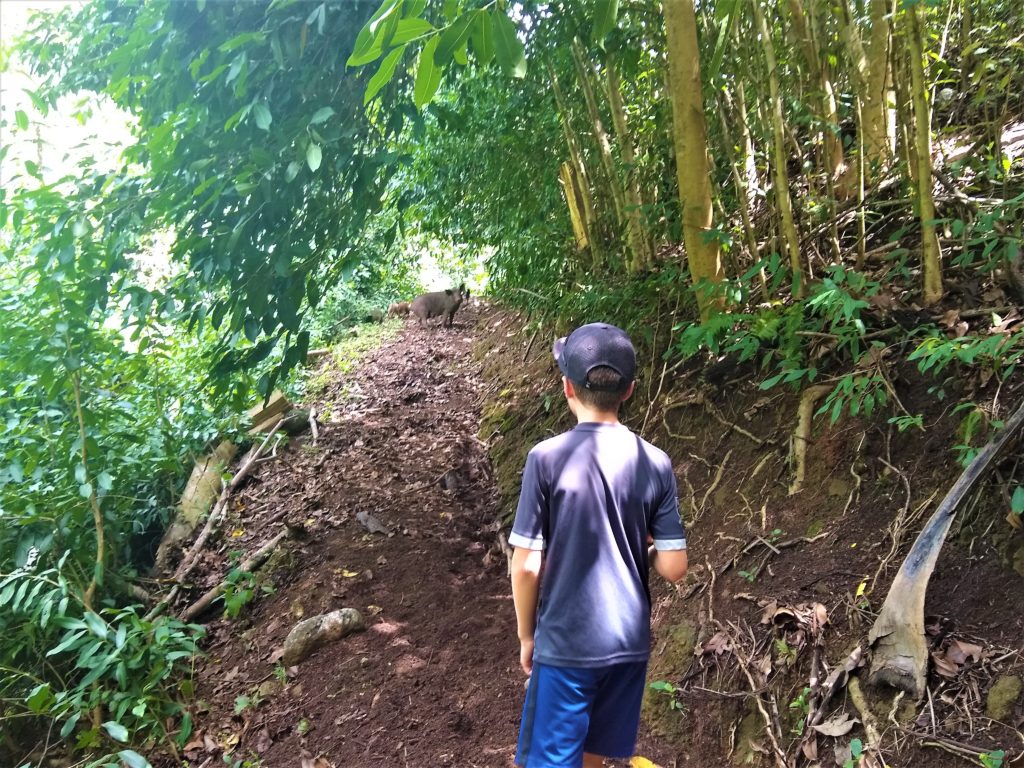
pixel 608 389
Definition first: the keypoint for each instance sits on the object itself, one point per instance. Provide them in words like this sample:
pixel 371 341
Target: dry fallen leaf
pixel 944 666
pixel 837 725
pixel 641 762
pixel 810 748
pixel 959 652
pixel 820 614
pixel 718 644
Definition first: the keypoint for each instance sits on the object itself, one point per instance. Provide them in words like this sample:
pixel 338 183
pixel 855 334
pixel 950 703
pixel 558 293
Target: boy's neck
pixel 586 415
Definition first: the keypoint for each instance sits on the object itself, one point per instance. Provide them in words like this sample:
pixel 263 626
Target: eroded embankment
pixel 784 585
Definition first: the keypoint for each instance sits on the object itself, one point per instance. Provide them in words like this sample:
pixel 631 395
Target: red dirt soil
pixel 434 680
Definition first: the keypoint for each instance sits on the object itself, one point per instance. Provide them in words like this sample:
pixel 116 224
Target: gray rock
pixel 310 634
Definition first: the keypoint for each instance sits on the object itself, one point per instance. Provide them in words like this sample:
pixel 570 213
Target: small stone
pixel 364 662
pixel 1002 697
pixel 310 634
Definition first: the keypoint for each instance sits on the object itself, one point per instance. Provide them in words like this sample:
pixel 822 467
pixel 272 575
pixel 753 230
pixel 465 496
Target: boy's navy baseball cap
pixel 591 346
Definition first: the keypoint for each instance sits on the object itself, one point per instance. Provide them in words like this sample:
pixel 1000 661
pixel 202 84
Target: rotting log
pixel 204 484
pixel 900 651
pixel 191 557
pixel 266 414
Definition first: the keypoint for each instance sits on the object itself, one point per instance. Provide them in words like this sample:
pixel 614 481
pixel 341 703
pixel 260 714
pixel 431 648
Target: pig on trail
pixel 438 303
pixel 399 308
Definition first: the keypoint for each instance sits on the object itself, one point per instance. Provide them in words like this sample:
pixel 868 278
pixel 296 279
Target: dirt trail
pixel 434 679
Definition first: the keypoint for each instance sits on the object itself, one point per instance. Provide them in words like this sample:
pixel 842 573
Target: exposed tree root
pixel 802 434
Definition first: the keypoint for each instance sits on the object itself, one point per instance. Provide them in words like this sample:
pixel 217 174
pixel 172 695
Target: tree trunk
pixel 931 252
pixel 570 186
pixel 785 204
pixel 742 198
pixel 834 163
pixel 871 76
pixel 604 146
pixel 639 241
pixel 582 177
pixel 693 167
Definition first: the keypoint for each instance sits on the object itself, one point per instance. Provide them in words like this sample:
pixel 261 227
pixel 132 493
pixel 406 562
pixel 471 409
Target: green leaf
pixel 508 48
pixel 117 731
pixel 856 748
pixel 96 625
pixel 292 170
pixel 1017 501
pixel 454 37
pixel 604 19
pixel 40 698
pixel 369 45
pixel 252 328
pixel 482 38
pixel 428 75
pixel 22 119
pixel 313 156
pixel 321 115
pixel 133 759
pixel 69 725
pixel 85 490
pixel 410 29
pixel 105 481
pixel 262 115
pixel 726 12
pixel 383 75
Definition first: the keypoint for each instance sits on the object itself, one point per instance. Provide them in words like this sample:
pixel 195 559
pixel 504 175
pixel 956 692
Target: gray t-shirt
pixel 589 499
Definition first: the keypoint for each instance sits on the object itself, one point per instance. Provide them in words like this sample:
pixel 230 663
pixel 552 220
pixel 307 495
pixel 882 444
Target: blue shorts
pixel 572 710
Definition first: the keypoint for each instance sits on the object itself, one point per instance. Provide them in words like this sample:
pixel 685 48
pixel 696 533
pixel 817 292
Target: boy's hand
pixel 526 656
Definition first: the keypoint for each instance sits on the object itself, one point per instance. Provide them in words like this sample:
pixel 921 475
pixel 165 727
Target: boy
pixel 592 500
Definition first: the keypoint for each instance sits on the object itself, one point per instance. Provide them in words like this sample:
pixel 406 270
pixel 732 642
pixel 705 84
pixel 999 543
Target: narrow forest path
pixel 434 680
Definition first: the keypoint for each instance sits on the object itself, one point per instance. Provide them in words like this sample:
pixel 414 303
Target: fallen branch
pixel 188 562
pixel 900 651
pixel 836 680
pixel 248 565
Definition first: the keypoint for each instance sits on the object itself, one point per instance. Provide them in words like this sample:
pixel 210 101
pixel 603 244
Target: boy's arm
pixel 670 563
pixel 526 565
pixel 668 534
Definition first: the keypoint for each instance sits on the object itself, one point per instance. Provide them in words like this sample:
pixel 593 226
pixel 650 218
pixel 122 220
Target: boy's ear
pixel 568 389
pixel 629 392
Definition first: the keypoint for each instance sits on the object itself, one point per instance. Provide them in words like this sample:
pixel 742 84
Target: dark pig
pixel 446 302
pixel 398 308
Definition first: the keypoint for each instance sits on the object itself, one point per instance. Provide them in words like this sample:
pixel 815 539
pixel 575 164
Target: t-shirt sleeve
pixel 667 526
pixel 528 527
